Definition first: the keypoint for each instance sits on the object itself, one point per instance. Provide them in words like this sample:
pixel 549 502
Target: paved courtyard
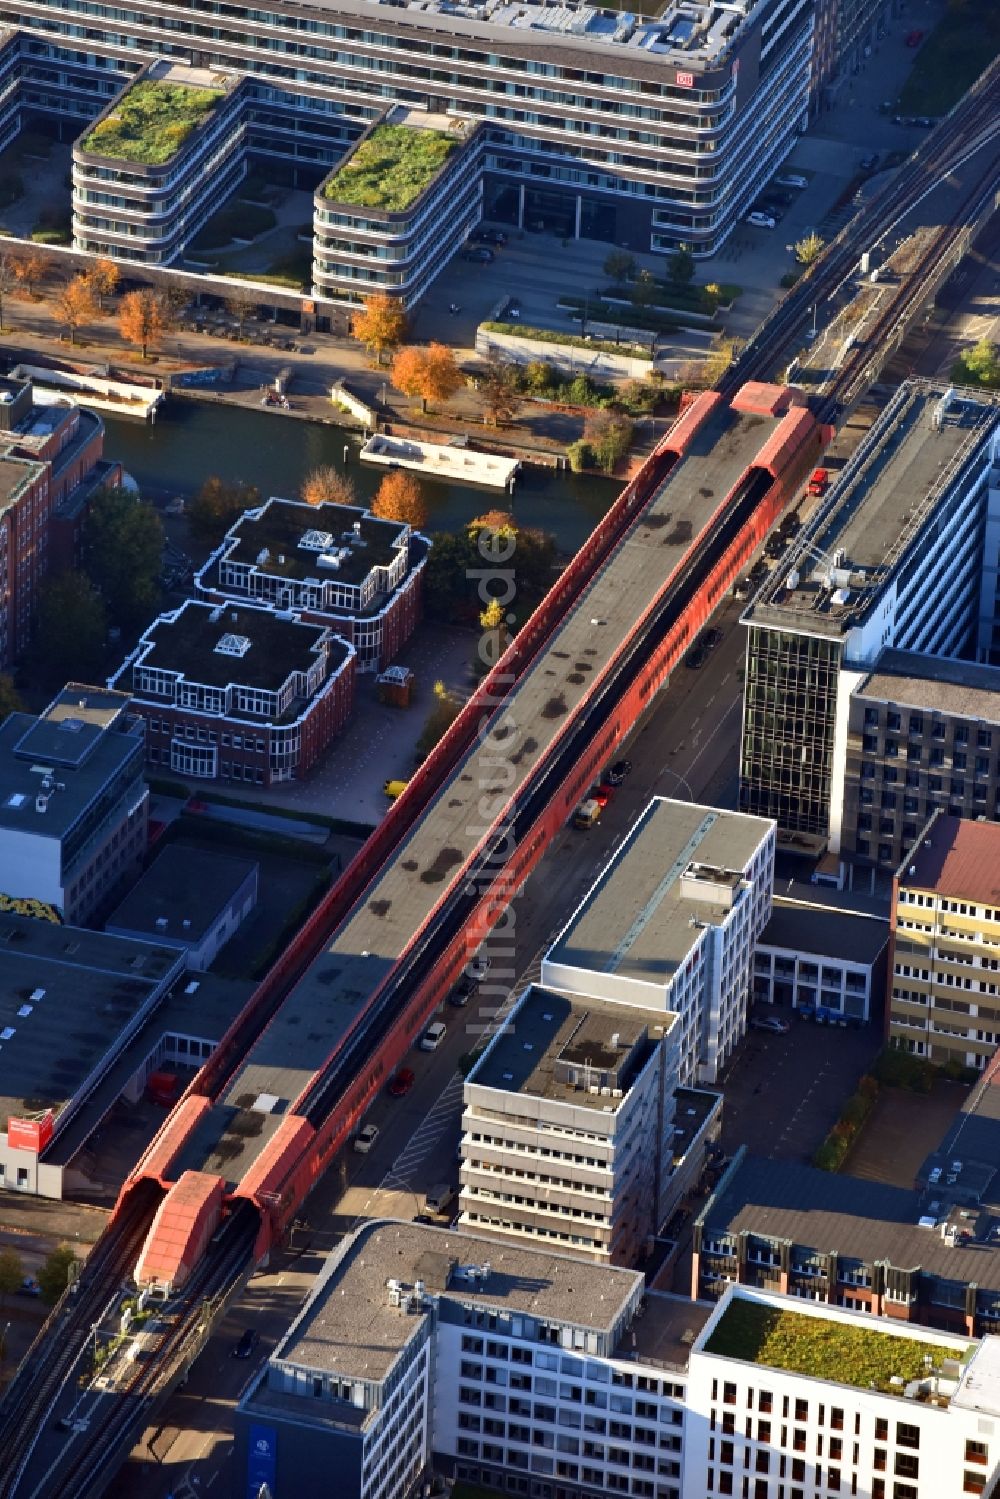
pixel 379 743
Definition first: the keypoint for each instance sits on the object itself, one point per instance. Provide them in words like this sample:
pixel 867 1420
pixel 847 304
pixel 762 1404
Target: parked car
pixel 29 1287
pixel 401 1083
pixel 618 772
pixel 587 814
pixel 914 38
pixel 869 162
pixel 483 236
pixel 392 789
pixel 759 571
pixel 924 121
pixel 710 638
pixel 819 481
pixel 776 544
pixel 768 210
pixel 365 1138
pixel 762 220
pixel 791 524
pixel 771 1024
pixel 696 656
pixel 479 255
pixel 247 1343
pixel 463 991
pixel 478 966
pixel 433 1036
pixel 791 179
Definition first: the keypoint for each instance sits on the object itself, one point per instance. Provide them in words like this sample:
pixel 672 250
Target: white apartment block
pixel 671 924
pixel 568 1127
pixel 922 1423
pixel 524 1372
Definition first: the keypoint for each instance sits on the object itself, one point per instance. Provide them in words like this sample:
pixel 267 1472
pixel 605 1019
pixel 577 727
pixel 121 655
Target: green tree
pixel 71 629
pixel 447 592
pixel 644 290
pixel 979 365
pixel 123 552
pixel 446 709
pixel 808 250
pixel 532 558
pixel 540 376
pixel 620 267
pixel 10 701
pixel 681 266
pixel 218 504
pixel 609 434
pixel 53 1277
pixel 11 1273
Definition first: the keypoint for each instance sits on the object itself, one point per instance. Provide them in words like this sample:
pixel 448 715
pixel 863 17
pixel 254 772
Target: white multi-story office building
pixel 894 556
pixel 670 925
pixel 140 193
pixel 787 1400
pixel 74 808
pixel 649 132
pixel 568 1129
pixel 524 1372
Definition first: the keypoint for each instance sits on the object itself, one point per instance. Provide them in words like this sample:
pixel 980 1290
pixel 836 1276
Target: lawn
pixel 152 122
pixel 956 52
pixel 392 167
pixel 820 1347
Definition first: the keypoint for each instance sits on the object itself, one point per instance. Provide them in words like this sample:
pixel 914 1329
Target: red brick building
pixel 50 464
pixel 337 565
pixel 238 693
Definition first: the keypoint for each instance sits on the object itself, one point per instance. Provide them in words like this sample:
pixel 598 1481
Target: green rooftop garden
pixel 152 122
pixel 820 1346
pixel 391 168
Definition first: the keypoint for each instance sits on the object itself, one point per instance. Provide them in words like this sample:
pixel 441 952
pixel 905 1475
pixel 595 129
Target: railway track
pixel 89 1460
pixel 55 1353
pixel 947 144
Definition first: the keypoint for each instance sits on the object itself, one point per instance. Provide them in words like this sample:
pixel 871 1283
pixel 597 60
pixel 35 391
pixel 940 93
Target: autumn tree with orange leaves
pixel 75 305
pixel 103 277
pixel 399 498
pixel 142 318
pixel 328 486
pixel 31 264
pixel 429 372
pixel 380 324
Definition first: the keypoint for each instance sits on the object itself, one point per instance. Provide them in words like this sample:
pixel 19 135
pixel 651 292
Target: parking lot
pixel 784 1093
pixel 901 1132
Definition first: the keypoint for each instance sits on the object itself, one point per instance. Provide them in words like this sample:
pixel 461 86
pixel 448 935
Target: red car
pixel 601 795
pixel 401 1084
pixel 914 38
pixel 819 481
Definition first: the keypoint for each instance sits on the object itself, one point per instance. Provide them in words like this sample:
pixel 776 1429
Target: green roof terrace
pixel 150 123
pixel 826 1347
pixel 395 162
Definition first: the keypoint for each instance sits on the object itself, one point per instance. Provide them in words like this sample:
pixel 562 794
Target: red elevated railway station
pixel 368 969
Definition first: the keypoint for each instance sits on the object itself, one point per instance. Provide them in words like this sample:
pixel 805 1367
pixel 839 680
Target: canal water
pixel 193 439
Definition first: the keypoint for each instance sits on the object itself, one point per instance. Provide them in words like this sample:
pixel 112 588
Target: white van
pixel 433 1036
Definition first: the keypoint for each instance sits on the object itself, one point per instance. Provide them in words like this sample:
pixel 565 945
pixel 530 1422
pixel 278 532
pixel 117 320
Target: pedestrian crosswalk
pixel 401 1176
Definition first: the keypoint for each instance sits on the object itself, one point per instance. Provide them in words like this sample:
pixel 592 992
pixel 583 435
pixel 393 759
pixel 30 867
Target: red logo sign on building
pixel 684 80
pixel 29 1134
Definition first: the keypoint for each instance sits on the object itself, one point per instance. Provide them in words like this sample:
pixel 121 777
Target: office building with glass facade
pixel 602 124
pixel 894 556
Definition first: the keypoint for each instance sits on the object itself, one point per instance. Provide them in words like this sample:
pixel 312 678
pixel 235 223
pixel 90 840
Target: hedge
pixel 835 1149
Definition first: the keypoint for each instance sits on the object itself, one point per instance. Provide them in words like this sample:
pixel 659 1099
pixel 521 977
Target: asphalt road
pixel 687 747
